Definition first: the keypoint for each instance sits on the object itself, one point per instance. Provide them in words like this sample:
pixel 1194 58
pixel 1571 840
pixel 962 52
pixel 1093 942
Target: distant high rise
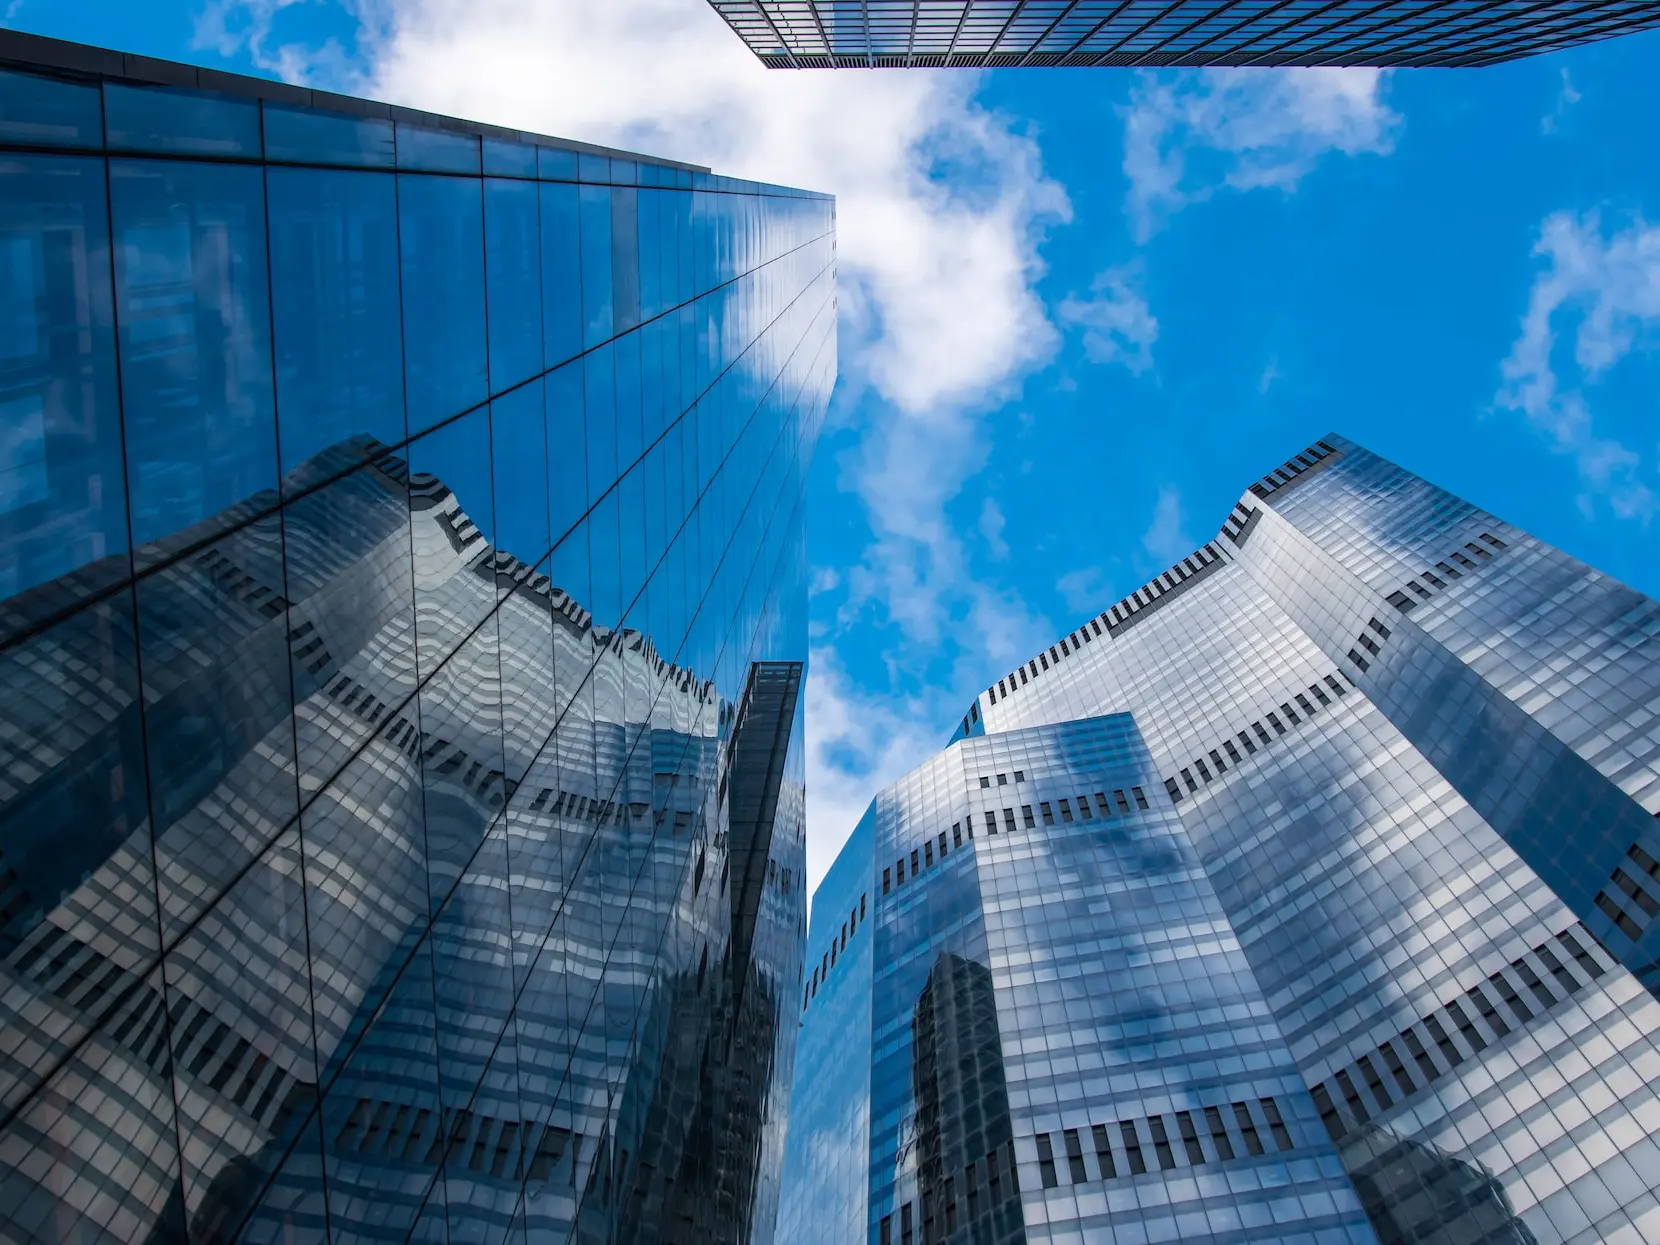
pixel 1305 893
pixel 882 34
pixel 402 607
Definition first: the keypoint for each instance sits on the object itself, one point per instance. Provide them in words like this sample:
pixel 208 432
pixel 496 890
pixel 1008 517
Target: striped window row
pixel 1213 765
pixel 1157 591
pixel 1212 1134
pixel 399 1132
pixel 1240 522
pixel 205 1050
pixel 838 947
pixel 1316 457
pixel 1637 878
pixel 962 832
pixel 1367 641
pixel 1470 558
pixel 1422 1053
pixel 1066 646
pixel 960 1200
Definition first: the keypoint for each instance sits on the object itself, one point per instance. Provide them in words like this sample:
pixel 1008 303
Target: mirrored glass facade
pixel 857 34
pixel 1309 889
pixel 402 609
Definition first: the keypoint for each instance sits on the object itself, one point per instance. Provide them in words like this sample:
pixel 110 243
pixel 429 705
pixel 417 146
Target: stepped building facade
pixel 1307 893
pixel 402 608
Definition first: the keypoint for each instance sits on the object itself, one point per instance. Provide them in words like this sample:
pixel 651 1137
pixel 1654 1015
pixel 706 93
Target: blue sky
pixel 1083 310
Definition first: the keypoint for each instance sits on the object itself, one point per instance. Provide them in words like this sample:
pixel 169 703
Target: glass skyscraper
pixel 402 608
pixel 881 34
pixel 1307 893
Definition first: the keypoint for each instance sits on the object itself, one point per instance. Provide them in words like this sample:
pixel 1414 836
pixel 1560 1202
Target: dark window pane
pixel 194 314
pixel 141 118
pixel 561 274
pixel 599 380
pixel 132 1132
pixel 441 223
pixel 462 768
pixel 567 462
pixel 349 570
pixel 513 281
pixel 49 112
pixel 74 822
pixel 555 164
pixel 396 1056
pixel 249 947
pixel 625 258
pixel 334 295
pixel 519 451
pixel 452 517
pixel 214 645
pixel 597 293
pixel 62 483
pixel 435 151
pixel 327 137
pixel 509 159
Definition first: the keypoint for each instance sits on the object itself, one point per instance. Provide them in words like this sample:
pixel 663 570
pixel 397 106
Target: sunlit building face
pixel 1306 892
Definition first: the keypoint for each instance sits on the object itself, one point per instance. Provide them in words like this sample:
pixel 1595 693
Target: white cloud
pixel 1166 540
pixel 1118 325
pixel 1566 98
pixel 1612 283
pixel 1083 590
pixel 991 527
pixel 856 745
pixel 1189 135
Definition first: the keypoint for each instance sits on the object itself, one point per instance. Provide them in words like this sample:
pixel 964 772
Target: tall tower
pixel 401 635
pixel 1313 881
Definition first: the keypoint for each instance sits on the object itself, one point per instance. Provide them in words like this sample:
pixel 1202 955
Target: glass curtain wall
pixel 391 511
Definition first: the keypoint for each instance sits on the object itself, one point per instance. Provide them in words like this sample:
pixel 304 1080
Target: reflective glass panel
pixel 441 231
pixel 193 305
pixel 334 299
pixel 62 485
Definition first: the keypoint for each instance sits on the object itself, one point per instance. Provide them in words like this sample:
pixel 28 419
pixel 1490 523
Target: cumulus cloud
pixel 856 745
pixel 1611 283
pixel 1118 325
pixel 1189 135
pixel 1166 540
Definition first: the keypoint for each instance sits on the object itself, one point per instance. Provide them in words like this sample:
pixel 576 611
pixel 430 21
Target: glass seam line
pixel 185 930
pixel 52 619
pixel 426 934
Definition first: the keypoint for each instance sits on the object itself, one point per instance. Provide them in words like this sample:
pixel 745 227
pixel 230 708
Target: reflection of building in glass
pixel 824 34
pixel 396 518
pixel 962 1105
pixel 1419 1193
pixel 1316 878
